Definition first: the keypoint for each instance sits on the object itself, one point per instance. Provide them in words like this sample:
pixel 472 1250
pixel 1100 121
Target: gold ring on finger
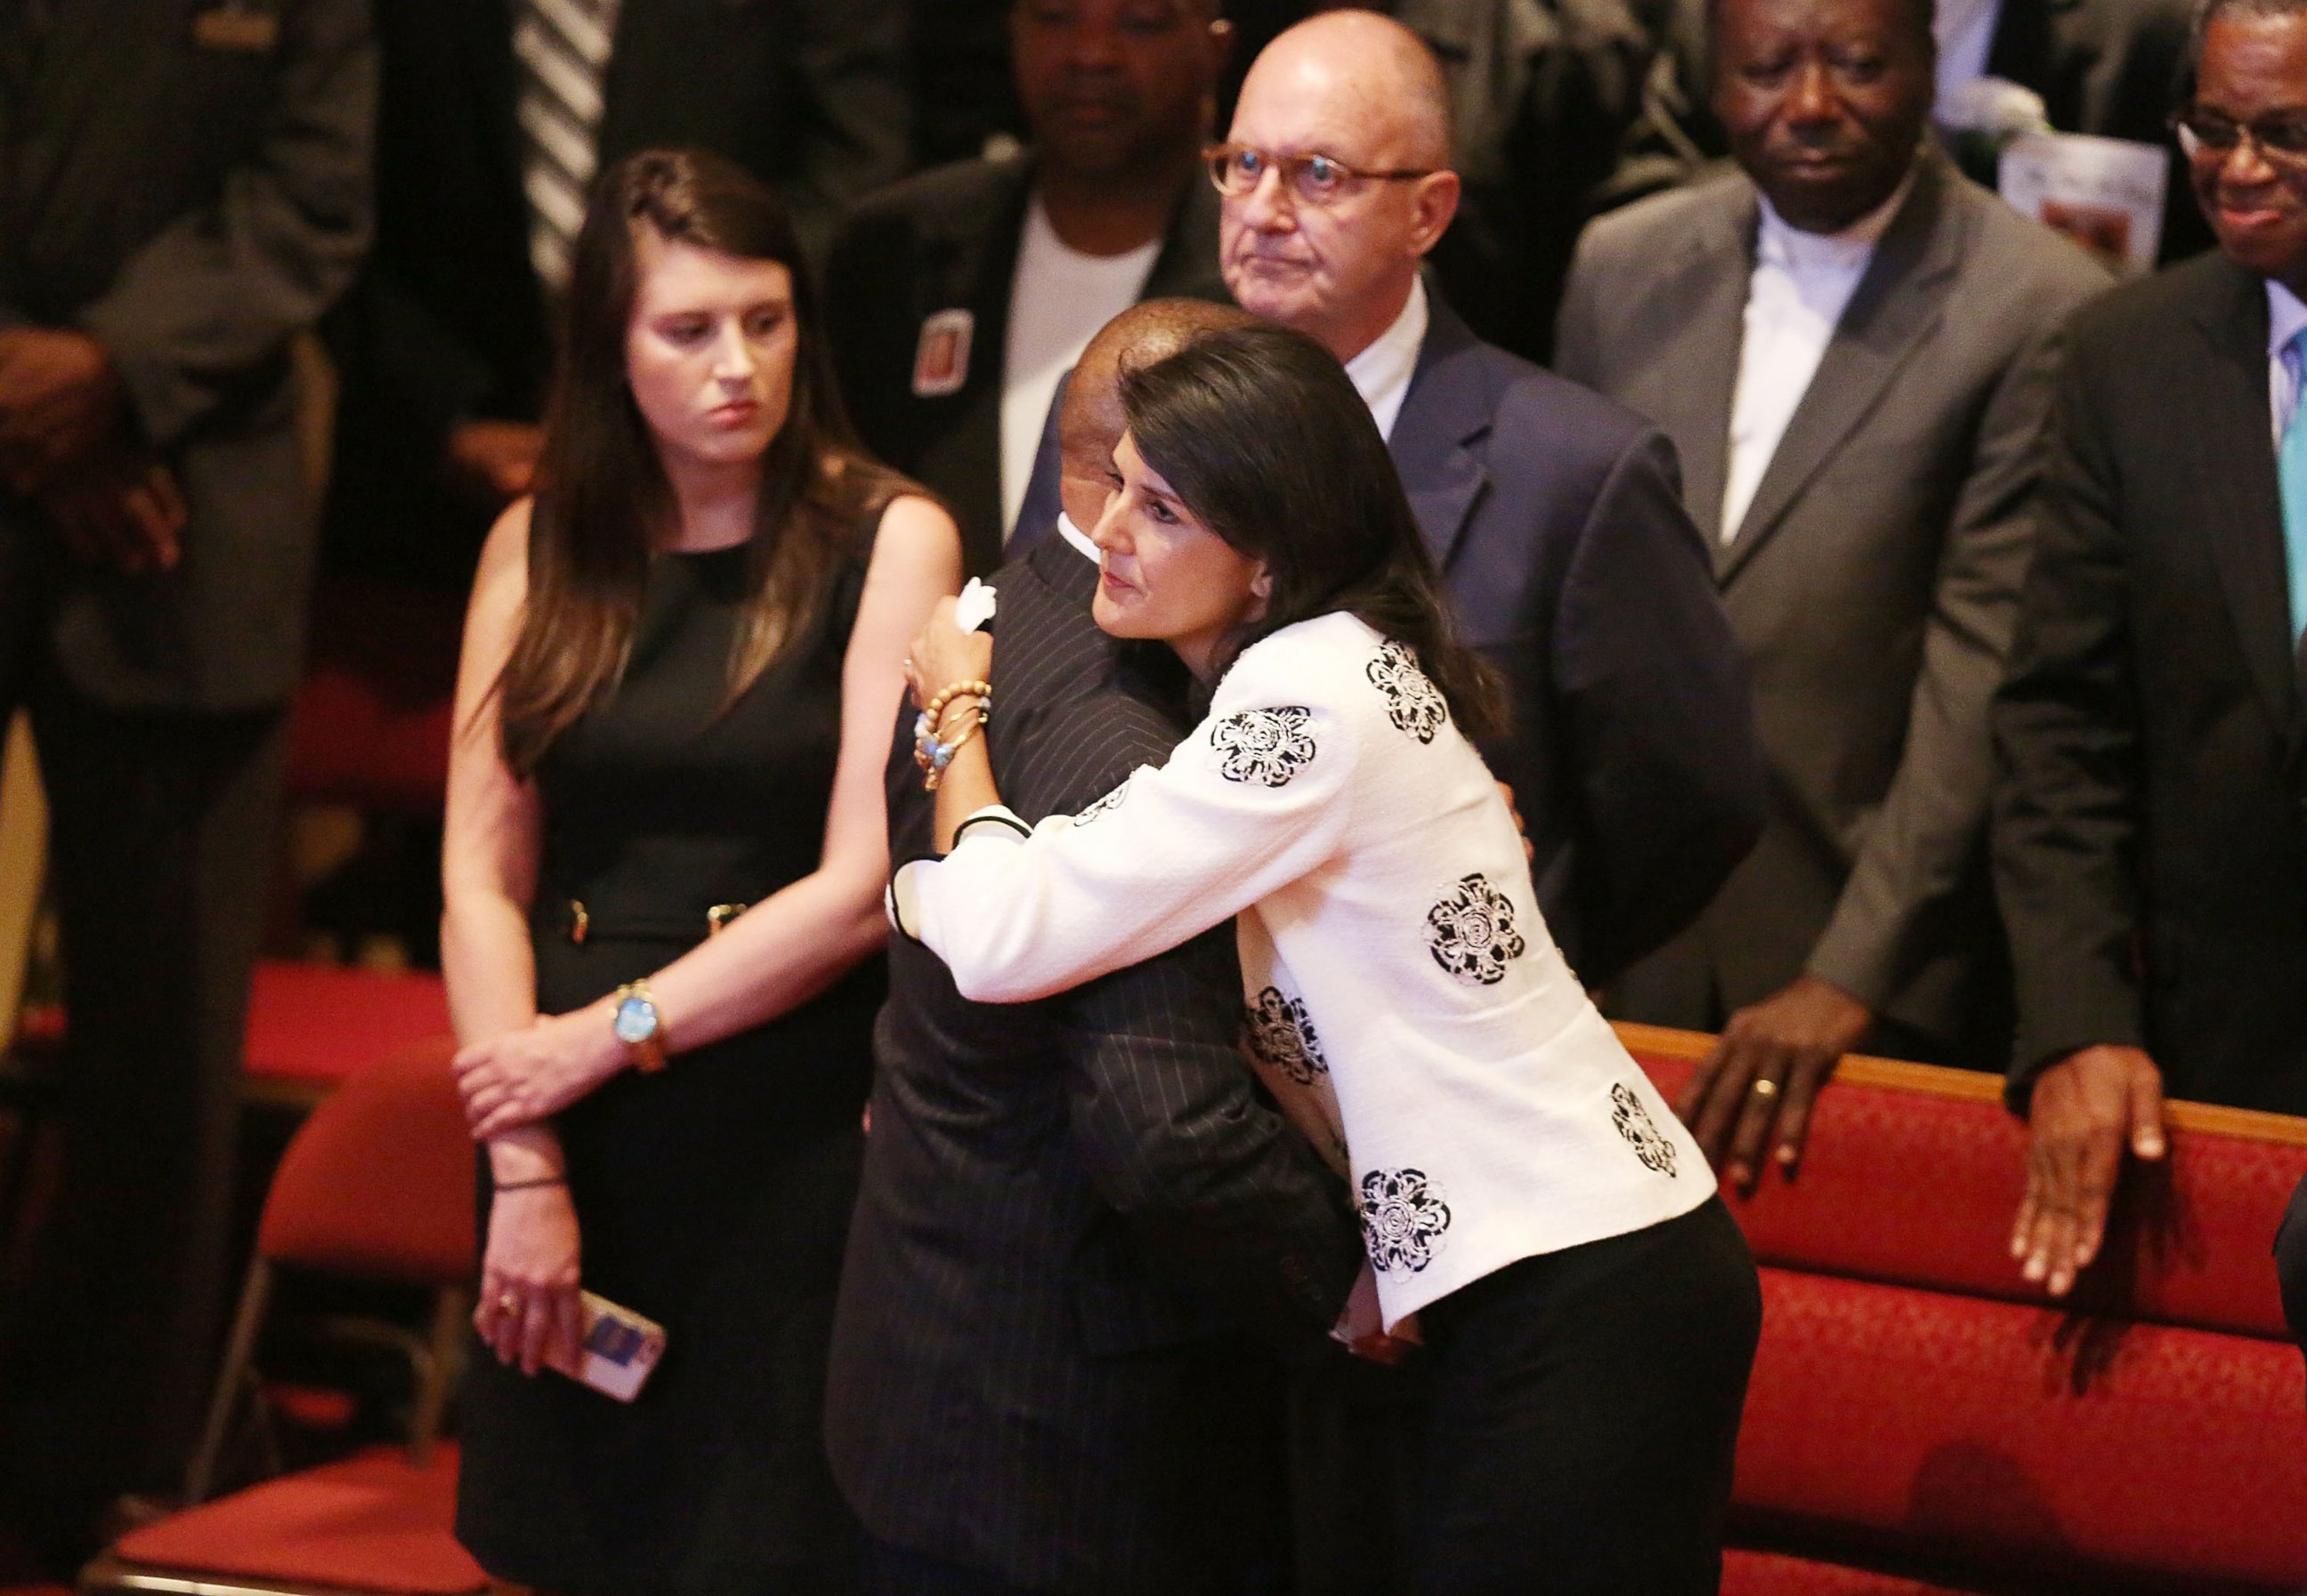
pixel 508 1303
pixel 1764 1087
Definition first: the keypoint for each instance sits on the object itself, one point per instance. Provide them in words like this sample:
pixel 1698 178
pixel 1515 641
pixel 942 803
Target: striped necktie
pixel 562 47
pixel 2291 473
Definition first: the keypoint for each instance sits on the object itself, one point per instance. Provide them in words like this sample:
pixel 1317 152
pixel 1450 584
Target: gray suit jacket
pixel 192 198
pixel 1874 582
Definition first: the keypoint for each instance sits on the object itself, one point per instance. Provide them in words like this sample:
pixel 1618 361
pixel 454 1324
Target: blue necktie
pixel 1037 517
pixel 2291 471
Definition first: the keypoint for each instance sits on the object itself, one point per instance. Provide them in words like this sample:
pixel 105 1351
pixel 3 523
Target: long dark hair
pixel 601 488
pixel 1264 438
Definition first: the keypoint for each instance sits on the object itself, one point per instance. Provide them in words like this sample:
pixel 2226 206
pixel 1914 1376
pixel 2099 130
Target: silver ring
pixel 1764 1087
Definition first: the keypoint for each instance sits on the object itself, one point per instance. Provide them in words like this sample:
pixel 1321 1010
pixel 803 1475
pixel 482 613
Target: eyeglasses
pixel 1237 169
pixel 2282 140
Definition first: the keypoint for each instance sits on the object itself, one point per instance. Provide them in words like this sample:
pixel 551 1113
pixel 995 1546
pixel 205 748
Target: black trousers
pixel 161 844
pixel 1571 1429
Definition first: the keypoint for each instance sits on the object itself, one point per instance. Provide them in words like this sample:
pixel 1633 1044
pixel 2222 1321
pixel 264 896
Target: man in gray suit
pixel 1552 513
pixel 183 187
pixel 1852 347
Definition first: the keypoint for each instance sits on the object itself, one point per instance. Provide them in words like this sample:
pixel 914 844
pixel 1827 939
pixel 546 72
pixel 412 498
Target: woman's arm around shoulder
pixel 1259 794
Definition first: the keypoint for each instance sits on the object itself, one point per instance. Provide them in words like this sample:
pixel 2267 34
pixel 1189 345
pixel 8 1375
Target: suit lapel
pixel 1444 415
pixel 1896 302
pixel 1705 295
pixel 969 262
pixel 2235 482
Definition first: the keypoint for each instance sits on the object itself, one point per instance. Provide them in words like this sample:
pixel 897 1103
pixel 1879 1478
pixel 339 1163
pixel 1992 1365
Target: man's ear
pixel 1437 199
pixel 1261 586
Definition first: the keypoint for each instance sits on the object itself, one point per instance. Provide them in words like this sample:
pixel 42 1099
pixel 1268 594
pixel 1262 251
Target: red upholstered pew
pixel 1920 1420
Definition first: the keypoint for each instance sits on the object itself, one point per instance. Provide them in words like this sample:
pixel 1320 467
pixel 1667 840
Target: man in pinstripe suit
pixel 1074 1210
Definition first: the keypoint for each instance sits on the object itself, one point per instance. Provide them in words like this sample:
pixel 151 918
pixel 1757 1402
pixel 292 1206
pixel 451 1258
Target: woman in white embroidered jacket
pixel 1590 1307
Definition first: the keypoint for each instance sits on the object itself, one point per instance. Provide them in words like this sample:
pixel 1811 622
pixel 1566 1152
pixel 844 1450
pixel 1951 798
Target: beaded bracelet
pixel 931 753
pixel 933 768
pixel 935 711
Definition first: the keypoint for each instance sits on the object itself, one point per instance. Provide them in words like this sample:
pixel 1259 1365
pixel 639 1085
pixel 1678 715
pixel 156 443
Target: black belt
pixel 572 919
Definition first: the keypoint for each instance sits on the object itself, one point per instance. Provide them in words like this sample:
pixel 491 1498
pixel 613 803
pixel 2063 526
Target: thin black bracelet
pixel 525 1185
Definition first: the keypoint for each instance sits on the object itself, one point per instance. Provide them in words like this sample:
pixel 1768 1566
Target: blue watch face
pixel 636 1019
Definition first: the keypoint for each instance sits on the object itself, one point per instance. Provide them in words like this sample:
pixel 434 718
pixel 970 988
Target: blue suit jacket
pixel 1556 517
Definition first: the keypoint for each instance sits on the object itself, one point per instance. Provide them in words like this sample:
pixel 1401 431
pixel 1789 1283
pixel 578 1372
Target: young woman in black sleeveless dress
pixel 679 675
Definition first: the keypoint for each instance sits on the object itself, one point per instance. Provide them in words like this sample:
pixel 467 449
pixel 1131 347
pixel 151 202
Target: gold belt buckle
pixel 717 917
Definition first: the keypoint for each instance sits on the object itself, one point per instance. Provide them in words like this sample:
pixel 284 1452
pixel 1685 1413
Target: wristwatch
pixel 638 1026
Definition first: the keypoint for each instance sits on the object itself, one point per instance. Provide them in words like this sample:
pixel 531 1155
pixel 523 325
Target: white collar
pixel 1782 243
pixel 2286 315
pixel 1381 373
pixel 1080 540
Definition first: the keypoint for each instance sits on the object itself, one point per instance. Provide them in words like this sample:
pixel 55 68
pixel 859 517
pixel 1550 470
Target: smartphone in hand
pixel 616 1350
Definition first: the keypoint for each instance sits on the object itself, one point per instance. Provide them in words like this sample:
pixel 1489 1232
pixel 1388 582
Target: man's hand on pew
pixel 2084 1110
pixel 1757 1084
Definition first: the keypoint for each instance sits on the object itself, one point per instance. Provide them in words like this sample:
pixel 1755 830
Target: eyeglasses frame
pixel 2193 145
pixel 1286 165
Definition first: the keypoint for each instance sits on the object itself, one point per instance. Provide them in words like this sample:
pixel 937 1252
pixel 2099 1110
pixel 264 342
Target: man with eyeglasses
pixel 958 298
pixel 2150 826
pixel 1553 517
pixel 1551 512
pixel 1852 346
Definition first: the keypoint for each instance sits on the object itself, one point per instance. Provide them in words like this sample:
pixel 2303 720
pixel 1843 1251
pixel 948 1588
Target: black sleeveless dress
pixel 713 1197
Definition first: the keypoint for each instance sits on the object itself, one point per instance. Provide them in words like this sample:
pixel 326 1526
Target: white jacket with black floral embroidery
pixel 1403 998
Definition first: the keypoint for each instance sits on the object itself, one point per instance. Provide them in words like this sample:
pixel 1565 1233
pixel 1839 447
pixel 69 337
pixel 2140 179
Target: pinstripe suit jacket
pixel 1072 1209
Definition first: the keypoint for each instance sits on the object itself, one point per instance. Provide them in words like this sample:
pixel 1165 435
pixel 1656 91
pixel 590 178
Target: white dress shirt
pixel 1058 300
pixel 1381 373
pixel 1405 1001
pixel 1801 284
pixel 2286 315
pixel 1077 537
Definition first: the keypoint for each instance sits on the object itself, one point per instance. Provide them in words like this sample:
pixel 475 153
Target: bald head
pixel 1376 75
pixel 1091 423
pixel 1338 262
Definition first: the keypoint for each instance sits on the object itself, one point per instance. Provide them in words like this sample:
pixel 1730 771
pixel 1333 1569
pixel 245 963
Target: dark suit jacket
pixel 1556 518
pixel 193 208
pixel 1873 583
pixel 449 321
pixel 2150 841
pixel 947 240
pixel 1068 1207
